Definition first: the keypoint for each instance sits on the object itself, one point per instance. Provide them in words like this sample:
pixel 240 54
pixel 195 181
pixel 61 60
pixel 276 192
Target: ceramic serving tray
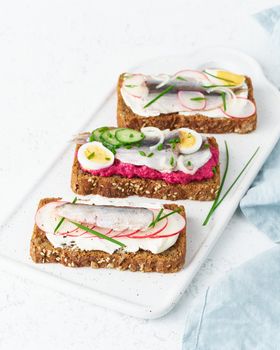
pixel 138 294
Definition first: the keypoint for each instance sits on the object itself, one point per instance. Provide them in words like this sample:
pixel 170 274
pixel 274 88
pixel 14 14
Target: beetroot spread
pixel 175 177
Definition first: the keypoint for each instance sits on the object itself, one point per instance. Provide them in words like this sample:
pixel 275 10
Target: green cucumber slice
pixel 109 137
pixel 96 134
pixel 127 136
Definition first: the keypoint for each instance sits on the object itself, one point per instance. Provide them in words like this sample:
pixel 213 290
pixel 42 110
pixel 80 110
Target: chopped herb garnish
pixel 130 86
pixel 159 96
pixel 98 234
pixel 214 86
pixel 108 158
pixel 214 170
pixel 90 156
pixel 218 201
pixel 206 145
pixel 128 146
pixel 160 147
pixel 214 76
pixel 142 153
pixel 150 155
pixel 223 94
pixel 181 78
pixel 189 163
pixel 172 161
pixel 174 142
pixel 198 99
pixel 62 219
pixel 159 217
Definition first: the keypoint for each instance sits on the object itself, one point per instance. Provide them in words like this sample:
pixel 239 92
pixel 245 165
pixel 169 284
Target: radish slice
pixel 176 223
pixel 240 107
pixel 192 75
pixel 135 86
pixel 77 233
pixel 124 233
pixel 160 226
pixel 213 102
pixel 163 79
pixel 186 100
pixel 47 220
pixel 102 230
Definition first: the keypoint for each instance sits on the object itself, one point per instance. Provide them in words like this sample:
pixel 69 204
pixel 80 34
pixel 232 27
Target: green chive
pixel 153 223
pixel 159 217
pixel 128 147
pixel 160 147
pixel 220 189
pixel 91 155
pixel 62 219
pixel 198 99
pixel 130 86
pixel 181 78
pixel 214 76
pixel 223 94
pixel 98 234
pixel 107 158
pixel 189 163
pixel 142 153
pixel 172 161
pixel 159 96
pixel 206 145
pixel 214 169
pixel 150 155
pixel 214 86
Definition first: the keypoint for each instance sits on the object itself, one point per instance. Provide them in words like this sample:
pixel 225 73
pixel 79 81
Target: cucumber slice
pixel 109 137
pixel 127 136
pixel 96 134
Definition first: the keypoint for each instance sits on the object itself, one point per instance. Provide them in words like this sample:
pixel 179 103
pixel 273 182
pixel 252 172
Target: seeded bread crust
pixel 84 183
pixel 127 118
pixel 171 260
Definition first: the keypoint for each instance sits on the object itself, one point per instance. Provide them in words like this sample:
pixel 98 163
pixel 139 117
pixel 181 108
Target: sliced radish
pixel 160 226
pixel 186 99
pixel 176 223
pixel 47 219
pixel 125 233
pixel 102 230
pixel 135 86
pixel 240 107
pixel 213 102
pixel 192 75
pixel 76 233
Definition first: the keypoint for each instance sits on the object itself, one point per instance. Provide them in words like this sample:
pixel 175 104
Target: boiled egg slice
pixel 222 77
pixel 190 141
pixel 95 156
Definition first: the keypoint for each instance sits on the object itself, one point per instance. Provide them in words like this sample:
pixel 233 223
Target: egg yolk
pixel 187 139
pixel 97 155
pixel 231 78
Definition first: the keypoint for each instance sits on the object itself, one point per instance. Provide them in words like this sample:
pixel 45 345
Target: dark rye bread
pixel 171 260
pixel 127 118
pixel 84 183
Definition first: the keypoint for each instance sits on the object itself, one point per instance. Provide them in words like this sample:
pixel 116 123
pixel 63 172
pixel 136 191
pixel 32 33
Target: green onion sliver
pixel 159 96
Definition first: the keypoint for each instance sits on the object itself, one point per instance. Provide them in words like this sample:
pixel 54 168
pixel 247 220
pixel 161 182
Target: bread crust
pixel 171 260
pixel 127 118
pixel 84 183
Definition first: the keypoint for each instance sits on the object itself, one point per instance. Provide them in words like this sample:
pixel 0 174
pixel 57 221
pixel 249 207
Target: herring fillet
pixel 116 218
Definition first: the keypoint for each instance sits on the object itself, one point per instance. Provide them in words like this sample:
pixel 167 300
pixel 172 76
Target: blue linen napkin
pixel 242 310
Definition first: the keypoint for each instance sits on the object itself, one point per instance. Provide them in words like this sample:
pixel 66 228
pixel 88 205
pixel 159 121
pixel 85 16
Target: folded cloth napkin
pixel 240 312
pixel 261 205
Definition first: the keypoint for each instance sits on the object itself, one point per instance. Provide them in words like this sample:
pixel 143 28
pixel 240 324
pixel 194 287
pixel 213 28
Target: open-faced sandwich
pixel 78 234
pixel 208 101
pixel 121 162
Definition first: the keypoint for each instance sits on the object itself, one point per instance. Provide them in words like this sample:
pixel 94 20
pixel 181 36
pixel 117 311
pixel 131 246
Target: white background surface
pixel 58 60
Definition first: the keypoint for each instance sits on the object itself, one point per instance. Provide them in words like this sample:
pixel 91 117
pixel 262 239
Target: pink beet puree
pixel 175 177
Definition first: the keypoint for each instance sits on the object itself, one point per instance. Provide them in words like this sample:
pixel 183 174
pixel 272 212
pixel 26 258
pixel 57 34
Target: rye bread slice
pixel 127 118
pixel 171 260
pixel 84 183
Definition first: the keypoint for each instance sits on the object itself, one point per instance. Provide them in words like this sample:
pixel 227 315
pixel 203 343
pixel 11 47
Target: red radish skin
pixel 192 73
pixel 153 231
pixel 253 111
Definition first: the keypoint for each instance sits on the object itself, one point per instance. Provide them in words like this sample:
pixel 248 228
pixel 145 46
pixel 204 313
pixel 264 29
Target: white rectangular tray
pixel 149 295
